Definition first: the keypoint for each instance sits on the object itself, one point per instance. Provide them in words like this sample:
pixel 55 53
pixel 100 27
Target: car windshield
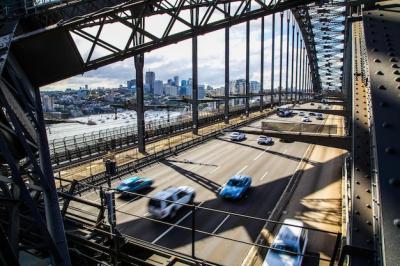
pixel 235 183
pixel 155 203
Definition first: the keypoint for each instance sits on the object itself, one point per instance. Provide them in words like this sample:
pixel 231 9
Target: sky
pixel 175 59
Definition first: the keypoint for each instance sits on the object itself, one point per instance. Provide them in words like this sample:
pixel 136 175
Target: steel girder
pixel 28 179
pixel 192 18
pixel 304 21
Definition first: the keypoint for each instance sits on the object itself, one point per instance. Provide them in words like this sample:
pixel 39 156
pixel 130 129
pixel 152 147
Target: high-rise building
pixel 176 81
pixel 150 78
pixel 201 92
pixel 47 103
pixel 254 86
pixel 158 87
pixel 131 85
pixel 170 90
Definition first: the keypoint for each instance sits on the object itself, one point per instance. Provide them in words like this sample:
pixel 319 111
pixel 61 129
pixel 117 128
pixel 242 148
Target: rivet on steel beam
pixel 385 125
pixel 368 190
pixel 390 54
pixel 389 150
pixel 357 212
pixel 358 182
pixel 396 72
pixel 396 222
pixel 368 206
pixel 397 79
pixel 381 87
pixel 395 66
pixel 393 59
pixel 376 60
pixel 394 182
pixel 368 222
pixel 379 73
pixel 374 50
pixel 358 196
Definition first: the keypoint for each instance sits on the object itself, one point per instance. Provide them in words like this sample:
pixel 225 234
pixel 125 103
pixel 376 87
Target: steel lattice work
pixel 328 34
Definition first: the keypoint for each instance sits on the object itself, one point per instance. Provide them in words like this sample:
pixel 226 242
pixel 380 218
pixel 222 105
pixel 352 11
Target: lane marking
pixel 261 153
pixel 173 226
pixel 219 226
pixel 215 169
pixel 266 173
pixel 130 201
pixel 241 170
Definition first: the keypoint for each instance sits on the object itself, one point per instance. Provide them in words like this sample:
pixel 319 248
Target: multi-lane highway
pixel 206 168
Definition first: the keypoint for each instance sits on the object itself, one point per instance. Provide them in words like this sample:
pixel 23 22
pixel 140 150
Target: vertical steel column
pixel 262 66
pixel 292 74
pixel 273 59
pixel 194 15
pixel 139 63
pixel 226 108
pixel 247 88
pixel 287 55
pixel 296 94
pixel 304 71
pixel 280 62
pixel 195 111
pixel 54 220
pixel 300 89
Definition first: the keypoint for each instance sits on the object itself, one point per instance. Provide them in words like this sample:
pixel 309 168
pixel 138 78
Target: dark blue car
pixel 236 187
pixel 134 184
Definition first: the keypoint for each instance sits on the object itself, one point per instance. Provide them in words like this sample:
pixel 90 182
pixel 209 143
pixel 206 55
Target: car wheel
pixel 173 213
pixel 191 199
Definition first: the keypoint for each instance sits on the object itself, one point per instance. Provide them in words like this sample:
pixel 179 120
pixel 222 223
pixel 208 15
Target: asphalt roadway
pixel 205 168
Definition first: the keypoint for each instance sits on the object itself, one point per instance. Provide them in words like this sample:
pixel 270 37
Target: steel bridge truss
pixel 41 42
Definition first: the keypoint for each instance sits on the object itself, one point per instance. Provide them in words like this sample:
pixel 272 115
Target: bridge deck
pixel 206 168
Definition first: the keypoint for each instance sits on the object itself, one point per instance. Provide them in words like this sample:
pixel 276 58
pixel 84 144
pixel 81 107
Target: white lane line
pixel 173 226
pixel 215 169
pixel 261 153
pixel 266 173
pixel 130 201
pixel 219 226
pixel 241 170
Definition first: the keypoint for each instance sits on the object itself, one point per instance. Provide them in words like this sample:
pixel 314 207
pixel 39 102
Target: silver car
pixel 289 245
pixel 237 136
pixel 264 140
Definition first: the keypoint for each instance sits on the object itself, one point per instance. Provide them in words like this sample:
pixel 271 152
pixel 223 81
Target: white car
pixel 264 140
pixel 166 203
pixel 302 114
pixel 237 136
pixel 306 119
pixel 289 240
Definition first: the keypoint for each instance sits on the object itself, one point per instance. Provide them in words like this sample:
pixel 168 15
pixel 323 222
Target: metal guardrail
pixel 73 149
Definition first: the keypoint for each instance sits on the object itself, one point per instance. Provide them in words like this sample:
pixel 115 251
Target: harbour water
pixel 104 122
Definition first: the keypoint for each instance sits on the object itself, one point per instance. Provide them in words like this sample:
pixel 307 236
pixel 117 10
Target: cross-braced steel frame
pixel 29 180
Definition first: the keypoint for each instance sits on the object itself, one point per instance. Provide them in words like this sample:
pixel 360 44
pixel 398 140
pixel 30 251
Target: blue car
pixel 134 184
pixel 236 187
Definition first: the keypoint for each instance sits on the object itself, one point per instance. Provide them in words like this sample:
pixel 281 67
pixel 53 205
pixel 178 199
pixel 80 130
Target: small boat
pixel 90 122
